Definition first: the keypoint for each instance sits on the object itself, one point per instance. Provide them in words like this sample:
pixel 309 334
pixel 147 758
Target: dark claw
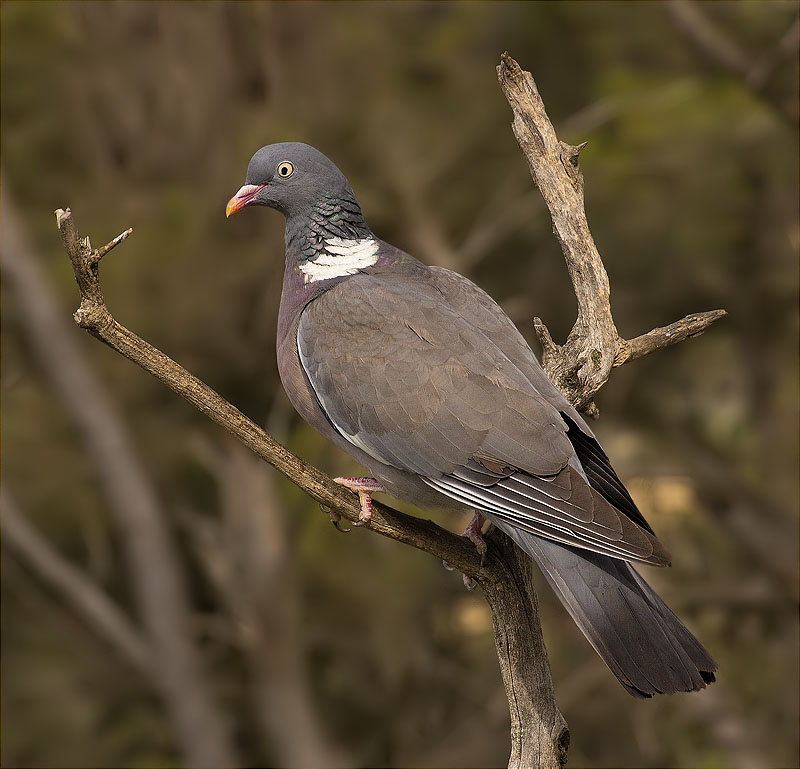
pixel 469 583
pixel 335 518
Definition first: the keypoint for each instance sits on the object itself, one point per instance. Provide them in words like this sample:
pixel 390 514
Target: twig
pixel 582 365
pixel 660 338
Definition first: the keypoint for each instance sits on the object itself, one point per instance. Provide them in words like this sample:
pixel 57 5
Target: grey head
pixel 326 235
pixel 290 177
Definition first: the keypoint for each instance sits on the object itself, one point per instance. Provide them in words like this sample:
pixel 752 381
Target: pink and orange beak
pixel 244 197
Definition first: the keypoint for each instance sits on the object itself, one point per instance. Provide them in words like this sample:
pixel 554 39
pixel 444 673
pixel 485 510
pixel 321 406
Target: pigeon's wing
pixel 485 314
pixel 405 377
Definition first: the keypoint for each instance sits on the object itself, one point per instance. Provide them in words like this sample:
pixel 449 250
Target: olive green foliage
pixel 146 114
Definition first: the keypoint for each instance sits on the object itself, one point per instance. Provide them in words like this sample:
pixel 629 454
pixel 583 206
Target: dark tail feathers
pixel 644 644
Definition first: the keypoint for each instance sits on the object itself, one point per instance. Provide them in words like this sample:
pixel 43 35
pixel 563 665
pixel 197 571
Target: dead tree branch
pixel 581 366
pixel 94 316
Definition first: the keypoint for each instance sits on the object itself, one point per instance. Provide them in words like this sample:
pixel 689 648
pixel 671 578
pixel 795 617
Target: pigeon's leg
pixel 474 533
pixel 364 487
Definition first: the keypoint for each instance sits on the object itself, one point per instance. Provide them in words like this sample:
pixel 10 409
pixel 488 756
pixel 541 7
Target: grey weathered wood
pixel 581 366
pixel 539 733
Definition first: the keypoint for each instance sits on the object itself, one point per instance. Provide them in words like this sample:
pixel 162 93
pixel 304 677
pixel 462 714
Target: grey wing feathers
pixel 600 474
pixel 563 508
pixel 406 377
pixel 403 376
pixel 484 313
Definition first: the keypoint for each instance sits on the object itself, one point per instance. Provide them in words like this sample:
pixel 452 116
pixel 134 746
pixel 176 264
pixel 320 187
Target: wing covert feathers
pixel 406 374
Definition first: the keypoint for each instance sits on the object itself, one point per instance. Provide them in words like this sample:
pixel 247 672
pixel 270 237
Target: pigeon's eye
pixel 285 169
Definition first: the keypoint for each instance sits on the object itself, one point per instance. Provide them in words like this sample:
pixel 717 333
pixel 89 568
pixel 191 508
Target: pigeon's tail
pixel 644 644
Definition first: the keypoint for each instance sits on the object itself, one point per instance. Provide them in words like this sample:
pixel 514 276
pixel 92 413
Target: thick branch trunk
pixel 539 734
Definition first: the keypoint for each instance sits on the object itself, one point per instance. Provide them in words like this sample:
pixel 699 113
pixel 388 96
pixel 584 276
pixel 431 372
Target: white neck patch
pixel 340 257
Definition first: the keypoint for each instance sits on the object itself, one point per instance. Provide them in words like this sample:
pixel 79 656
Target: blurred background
pixel 167 599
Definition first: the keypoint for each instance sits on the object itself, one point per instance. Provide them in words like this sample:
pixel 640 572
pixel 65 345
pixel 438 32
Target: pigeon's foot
pixel 364 487
pixel 474 533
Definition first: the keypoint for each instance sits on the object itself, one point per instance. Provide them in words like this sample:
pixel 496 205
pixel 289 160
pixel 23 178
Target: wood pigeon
pixel 420 376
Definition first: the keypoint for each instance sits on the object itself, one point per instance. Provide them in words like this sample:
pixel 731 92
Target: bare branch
pixel 94 316
pixel 539 733
pixel 506 583
pixel 659 338
pixel 583 364
pixel 101 252
pixel 79 590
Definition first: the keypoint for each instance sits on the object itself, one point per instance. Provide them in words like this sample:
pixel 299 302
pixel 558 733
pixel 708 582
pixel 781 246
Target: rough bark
pixel 580 367
pixel 539 733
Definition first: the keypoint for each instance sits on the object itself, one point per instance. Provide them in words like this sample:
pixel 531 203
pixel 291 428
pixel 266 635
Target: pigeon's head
pixel 289 177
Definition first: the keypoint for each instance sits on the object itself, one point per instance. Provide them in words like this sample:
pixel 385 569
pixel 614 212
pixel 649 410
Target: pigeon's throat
pixel 330 240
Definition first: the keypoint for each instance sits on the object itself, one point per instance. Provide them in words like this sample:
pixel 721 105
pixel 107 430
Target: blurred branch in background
pixel 199 727
pixel 76 587
pixel 150 123
pixel 246 556
pixel 539 734
pixel 749 518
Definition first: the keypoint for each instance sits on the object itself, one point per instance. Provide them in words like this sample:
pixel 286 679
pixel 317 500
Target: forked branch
pixel 582 365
